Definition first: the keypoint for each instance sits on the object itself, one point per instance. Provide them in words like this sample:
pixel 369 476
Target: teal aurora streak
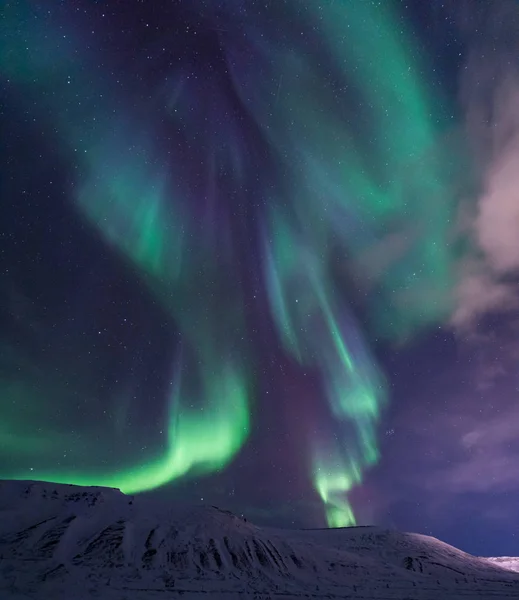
pixel 336 200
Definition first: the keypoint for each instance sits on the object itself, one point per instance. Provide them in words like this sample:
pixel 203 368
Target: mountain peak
pixel 61 541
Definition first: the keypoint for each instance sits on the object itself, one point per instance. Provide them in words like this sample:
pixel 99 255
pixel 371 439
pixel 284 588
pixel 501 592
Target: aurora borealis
pixel 245 245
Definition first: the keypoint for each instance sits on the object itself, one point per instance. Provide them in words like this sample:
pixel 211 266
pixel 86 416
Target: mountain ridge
pixel 102 543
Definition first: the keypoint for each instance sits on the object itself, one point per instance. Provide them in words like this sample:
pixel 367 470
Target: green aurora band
pixel 337 200
pixel 195 442
pixel 318 331
pixel 127 201
pixel 349 196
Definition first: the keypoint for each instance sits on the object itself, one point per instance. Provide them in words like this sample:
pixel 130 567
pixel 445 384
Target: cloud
pixel 455 448
pixel 485 459
pixel 476 453
pixel 480 291
pixel 497 222
pixel 463 461
pixel 487 281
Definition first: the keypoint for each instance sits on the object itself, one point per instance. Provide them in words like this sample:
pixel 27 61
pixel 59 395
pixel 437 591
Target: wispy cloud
pixel 490 95
pixel 463 434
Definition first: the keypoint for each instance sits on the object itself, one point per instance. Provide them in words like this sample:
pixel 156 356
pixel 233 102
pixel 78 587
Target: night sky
pixel 264 255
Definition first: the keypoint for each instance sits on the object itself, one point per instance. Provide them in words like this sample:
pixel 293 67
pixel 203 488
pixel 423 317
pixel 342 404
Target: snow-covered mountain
pixel 65 542
pixel 510 563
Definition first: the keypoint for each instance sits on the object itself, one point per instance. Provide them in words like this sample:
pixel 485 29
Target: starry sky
pixel 264 255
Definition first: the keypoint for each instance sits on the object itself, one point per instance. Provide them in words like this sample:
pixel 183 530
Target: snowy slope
pixel 66 542
pixel 510 563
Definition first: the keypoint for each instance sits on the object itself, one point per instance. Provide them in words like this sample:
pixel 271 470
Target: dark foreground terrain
pixel 64 542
